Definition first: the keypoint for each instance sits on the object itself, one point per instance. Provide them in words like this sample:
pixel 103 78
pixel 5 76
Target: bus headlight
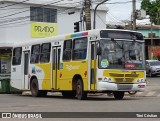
pixel 106 79
pixel 141 80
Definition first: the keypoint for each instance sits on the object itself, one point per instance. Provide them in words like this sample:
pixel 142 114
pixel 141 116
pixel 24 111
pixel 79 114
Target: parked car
pixel 152 67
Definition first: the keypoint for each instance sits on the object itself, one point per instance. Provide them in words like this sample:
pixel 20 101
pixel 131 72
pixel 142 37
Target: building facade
pixel 20 21
pixel 152 40
pixel 31 19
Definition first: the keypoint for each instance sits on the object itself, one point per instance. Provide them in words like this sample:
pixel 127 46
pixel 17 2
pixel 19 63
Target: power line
pixel 8 6
pixel 113 2
pixel 26 17
pixel 29 7
pixel 23 19
pixel 116 18
pixel 99 15
pixel 14 4
pixel 114 5
pixel 119 2
pixel 100 18
pixel 29 10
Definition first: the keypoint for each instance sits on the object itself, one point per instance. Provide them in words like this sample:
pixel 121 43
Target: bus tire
pixel 34 88
pixel 118 95
pixel 132 92
pixel 69 94
pixel 81 94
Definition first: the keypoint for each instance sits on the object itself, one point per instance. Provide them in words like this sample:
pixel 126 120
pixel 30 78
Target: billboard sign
pixel 42 29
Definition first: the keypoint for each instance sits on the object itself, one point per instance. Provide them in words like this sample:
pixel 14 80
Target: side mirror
pixel 99 50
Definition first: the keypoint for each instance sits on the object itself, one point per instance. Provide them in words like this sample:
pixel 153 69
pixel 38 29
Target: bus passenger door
pixel 26 67
pixel 93 66
pixel 55 66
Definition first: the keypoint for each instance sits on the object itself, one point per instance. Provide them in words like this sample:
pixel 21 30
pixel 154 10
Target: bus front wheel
pixel 118 95
pixel 81 94
pixel 34 88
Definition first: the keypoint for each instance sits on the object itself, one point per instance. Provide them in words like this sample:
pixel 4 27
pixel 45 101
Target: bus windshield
pixel 121 54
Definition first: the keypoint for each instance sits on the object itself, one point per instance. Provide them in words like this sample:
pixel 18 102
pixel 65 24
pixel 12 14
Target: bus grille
pixel 124 87
pixel 123 75
pixel 123 78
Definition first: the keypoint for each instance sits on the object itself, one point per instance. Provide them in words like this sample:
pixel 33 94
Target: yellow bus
pixel 94 61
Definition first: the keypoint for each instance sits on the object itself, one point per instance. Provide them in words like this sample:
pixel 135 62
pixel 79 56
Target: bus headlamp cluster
pixel 106 79
pixel 141 80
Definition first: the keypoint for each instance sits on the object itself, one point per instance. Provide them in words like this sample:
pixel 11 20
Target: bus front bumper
pixel 106 86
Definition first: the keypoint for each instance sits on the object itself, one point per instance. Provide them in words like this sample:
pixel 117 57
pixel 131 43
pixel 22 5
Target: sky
pixel 120 11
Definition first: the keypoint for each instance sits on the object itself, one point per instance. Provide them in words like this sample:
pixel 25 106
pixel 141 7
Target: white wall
pixel 100 19
pixel 20 30
pixel 11 30
pixel 66 22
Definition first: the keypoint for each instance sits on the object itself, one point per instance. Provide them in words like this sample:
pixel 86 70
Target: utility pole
pixel 134 14
pixel 151 31
pixel 88 14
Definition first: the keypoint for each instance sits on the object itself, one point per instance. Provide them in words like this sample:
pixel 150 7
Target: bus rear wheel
pixel 81 94
pixel 118 95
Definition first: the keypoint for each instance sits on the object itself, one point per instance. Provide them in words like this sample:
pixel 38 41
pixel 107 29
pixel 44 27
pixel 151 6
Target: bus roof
pixel 63 37
pixel 4 45
pixel 52 39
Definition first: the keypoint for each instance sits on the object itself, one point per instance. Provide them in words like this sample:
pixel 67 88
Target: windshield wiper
pixel 116 43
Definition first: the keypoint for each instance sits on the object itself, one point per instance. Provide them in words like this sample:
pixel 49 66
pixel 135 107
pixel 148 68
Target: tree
pixel 152 8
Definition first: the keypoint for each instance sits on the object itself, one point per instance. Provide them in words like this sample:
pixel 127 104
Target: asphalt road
pixel 153 87
pixel 149 101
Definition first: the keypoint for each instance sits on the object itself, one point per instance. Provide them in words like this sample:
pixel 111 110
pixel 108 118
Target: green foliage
pixel 152 8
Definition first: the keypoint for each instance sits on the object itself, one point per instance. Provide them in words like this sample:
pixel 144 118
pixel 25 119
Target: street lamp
pixel 94 21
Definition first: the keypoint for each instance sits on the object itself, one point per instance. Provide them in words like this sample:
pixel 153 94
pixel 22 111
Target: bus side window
pixel 79 48
pixel 17 52
pixel 35 52
pixel 67 50
pixel 45 52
